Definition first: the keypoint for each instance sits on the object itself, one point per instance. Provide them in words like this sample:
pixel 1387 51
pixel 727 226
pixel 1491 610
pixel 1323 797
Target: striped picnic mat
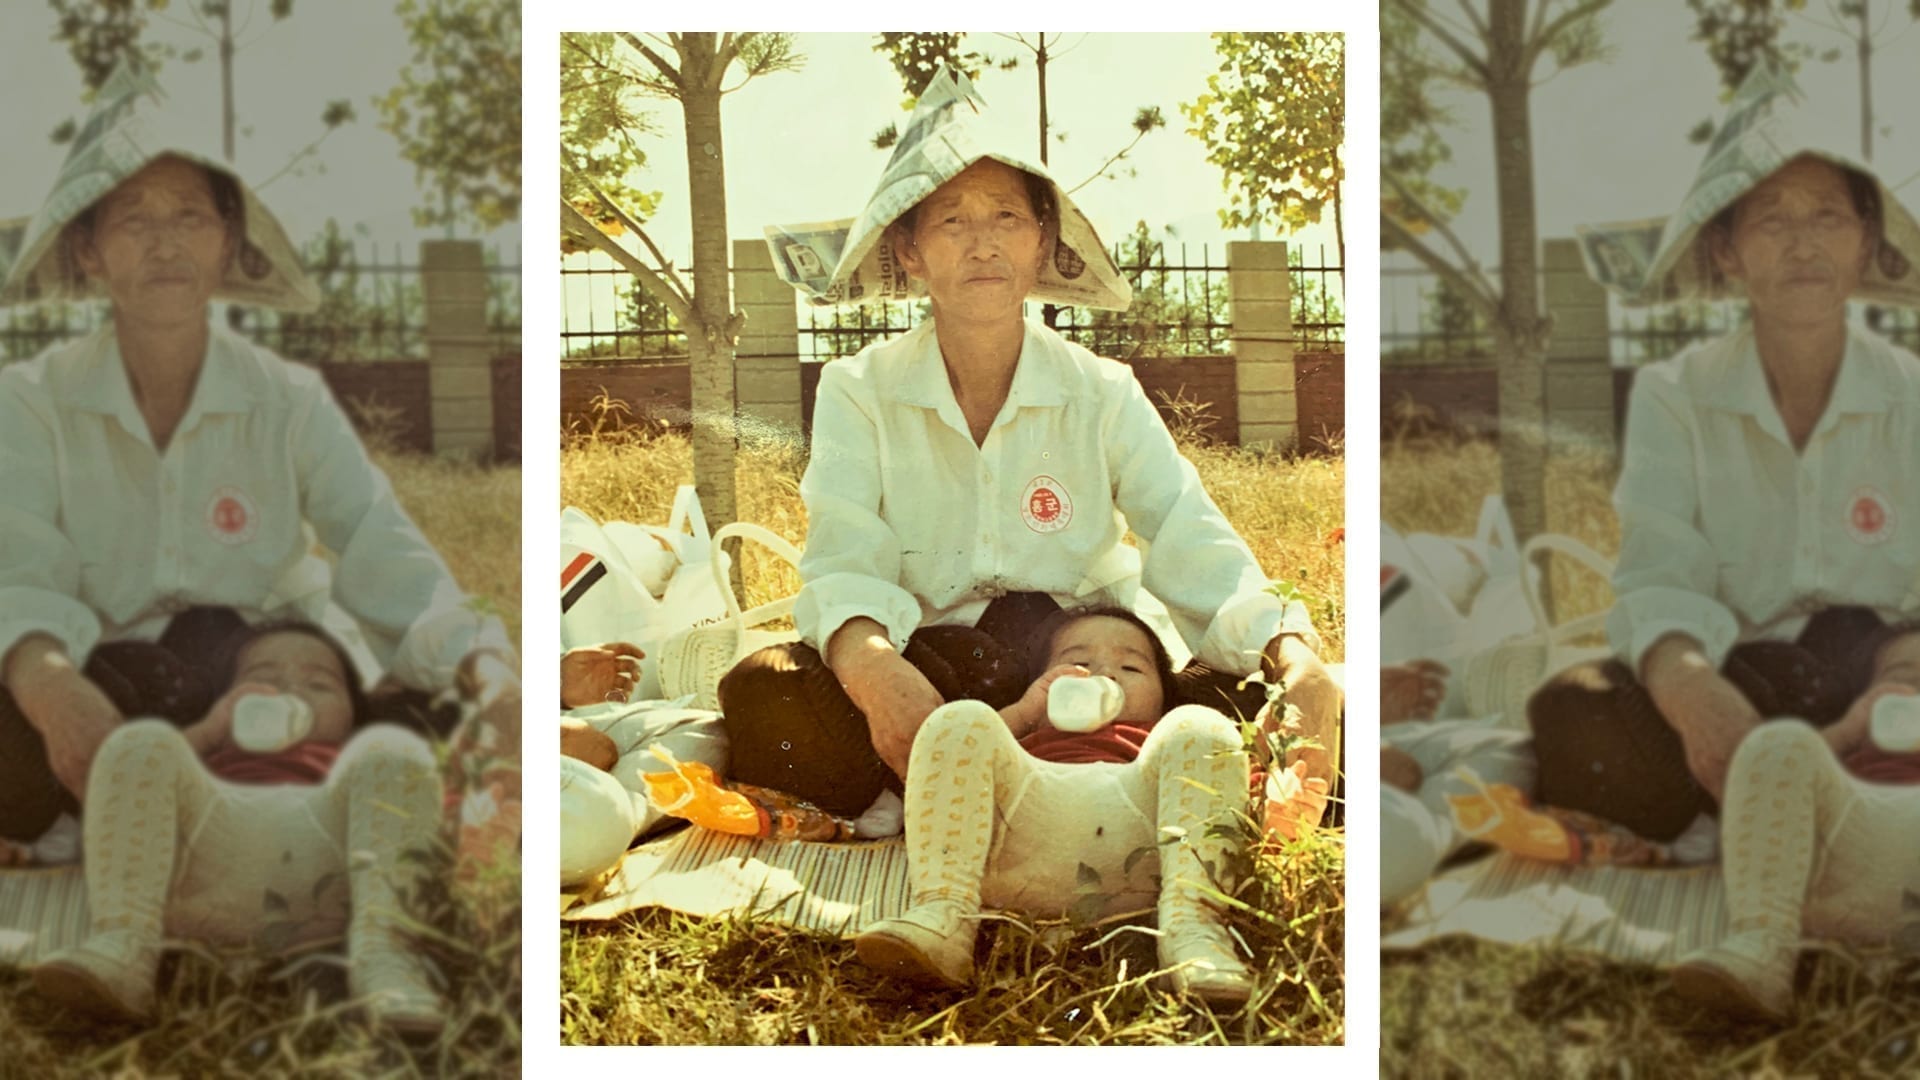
pixel 1628 914
pixel 41 910
pixel 831 888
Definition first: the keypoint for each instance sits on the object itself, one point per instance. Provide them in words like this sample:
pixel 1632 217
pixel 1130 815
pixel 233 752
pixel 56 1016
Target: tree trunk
pixel 1049 313
pixel 1865 45
pixel 226 80
pixel 710 340
pixel 1340 231
pixel 1520 337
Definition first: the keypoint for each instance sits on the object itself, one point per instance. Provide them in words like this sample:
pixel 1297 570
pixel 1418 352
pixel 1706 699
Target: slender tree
pixel 1493 47
pixel 1274 119
pixel 692 69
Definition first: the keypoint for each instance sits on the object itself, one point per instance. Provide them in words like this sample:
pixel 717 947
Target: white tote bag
pixel 693 660
pixel 1499 680
pixel 637 583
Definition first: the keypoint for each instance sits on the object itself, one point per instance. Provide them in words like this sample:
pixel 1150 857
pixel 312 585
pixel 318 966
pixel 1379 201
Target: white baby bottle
pixel 266 723
pixel 1083 703
pixel 1895 723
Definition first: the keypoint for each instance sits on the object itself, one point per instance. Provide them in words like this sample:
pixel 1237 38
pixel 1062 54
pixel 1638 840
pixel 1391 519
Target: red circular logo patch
pixel 231 517
pixel 1045 505
pixel 1870 517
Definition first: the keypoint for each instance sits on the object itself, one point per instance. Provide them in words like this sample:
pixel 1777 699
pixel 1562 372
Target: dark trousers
pixel 1604 748
pixel 792 728
pixel 169 679
pixel 177 679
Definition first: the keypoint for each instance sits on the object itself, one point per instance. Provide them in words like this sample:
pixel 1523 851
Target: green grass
pixel 656 977
pixel 1467 1008
pixel 241 1014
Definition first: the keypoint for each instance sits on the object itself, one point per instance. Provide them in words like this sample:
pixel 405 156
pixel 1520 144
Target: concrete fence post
pixel 1579 362
pixel 453 278
pixel 1260 292
pixel 766 373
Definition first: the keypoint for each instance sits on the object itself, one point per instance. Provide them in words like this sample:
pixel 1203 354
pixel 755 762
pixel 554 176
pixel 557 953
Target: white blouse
pixel 103 537
pixel 911 524
pixel 1728 535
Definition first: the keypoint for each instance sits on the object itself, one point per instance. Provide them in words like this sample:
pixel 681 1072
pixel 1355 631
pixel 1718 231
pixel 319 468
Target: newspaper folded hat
pixel 118 140
pixel 845 262
pixel 1767 125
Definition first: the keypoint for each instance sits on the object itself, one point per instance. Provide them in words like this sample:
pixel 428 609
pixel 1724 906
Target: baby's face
pixel 1899 661
pixel 1122 652
pixel 303 666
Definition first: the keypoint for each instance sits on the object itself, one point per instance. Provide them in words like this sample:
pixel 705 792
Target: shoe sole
pixel 82 991
pixel 1714 988
pixel 893 956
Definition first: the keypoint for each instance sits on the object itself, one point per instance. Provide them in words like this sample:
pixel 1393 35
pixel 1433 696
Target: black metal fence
pixel 1180 308
pixel 1425 323
pixel 371 309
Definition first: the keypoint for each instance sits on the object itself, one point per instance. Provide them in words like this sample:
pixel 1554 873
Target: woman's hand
pixel 1710 715
pixel 890 692
pixel 1299 804
pixel 1855 728
pixel 71 714
pixel 1029 714
pixel 1311 690
pixel 593 674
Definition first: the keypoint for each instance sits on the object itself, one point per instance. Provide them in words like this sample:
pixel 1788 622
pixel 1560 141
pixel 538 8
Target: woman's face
pixel 158 244
pixel 1797 243
pixel 304 666
pixel 1122 652
pixel 977 244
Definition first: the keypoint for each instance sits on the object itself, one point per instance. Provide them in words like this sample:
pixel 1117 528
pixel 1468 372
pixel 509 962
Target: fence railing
pixel 371 309
pixel 1425 323
pixel 1180 308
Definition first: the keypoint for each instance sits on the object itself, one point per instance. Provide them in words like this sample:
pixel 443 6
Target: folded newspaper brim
pixel 1662 260
pixel 118 140
pixel 848 261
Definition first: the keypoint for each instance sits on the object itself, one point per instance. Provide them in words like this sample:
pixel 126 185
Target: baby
pixel 1003 810
pixel 1811 845
pixel 188 836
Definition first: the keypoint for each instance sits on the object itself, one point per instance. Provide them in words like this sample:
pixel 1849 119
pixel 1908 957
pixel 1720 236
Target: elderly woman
pixel 1770 487
pixel 974 475
pixel 158 478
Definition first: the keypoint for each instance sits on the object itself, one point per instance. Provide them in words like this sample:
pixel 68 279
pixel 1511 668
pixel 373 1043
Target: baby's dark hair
pixel 1040 648
pixel 237 645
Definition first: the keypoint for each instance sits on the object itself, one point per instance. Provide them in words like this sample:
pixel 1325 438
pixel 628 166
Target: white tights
pixel 989 823
pixel 1809 849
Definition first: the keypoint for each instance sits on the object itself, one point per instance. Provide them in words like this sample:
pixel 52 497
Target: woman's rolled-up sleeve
pixel 1668 572
pixel 1196 563
pixel 851 566
pixel 389 577
pixel 39 566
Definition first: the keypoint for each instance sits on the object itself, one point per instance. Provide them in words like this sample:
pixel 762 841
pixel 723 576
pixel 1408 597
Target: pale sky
pixel 284 74
pixel 1610 138
pixel 798 145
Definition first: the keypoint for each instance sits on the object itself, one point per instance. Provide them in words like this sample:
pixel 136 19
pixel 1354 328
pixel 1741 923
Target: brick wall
pixel 506 408
pixel 389 401
pixel 653 393
pixel 1320 390
pixel 1460 399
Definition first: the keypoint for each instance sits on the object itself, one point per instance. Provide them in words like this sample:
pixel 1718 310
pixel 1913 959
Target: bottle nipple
pixel 1083 703
pixel 1895 724
pixel 267 723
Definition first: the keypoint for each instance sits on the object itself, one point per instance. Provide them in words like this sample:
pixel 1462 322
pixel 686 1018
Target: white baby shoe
pixel 1749 974
pixel 930 944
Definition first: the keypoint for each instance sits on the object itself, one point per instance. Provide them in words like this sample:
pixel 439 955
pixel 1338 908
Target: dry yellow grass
pixel 1437 485
pixel 1284 507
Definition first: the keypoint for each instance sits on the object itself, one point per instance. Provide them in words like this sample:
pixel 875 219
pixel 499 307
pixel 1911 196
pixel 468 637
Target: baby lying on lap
pixel 186 832
pixel 992 821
